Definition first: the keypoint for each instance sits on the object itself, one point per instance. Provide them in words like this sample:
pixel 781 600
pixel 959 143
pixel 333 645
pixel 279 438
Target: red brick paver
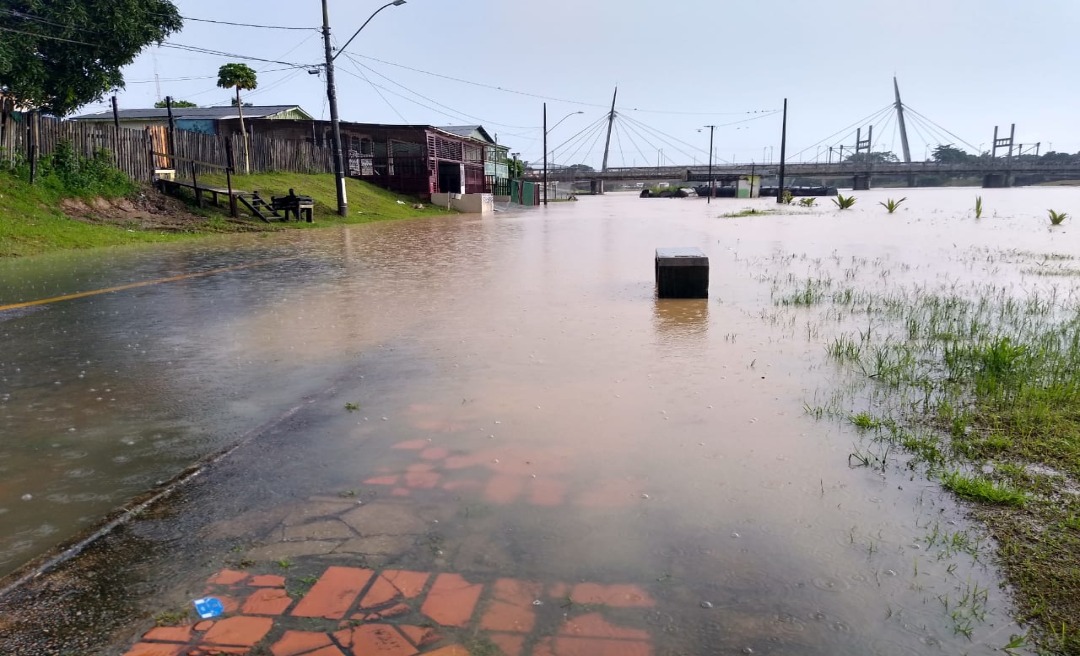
pixel 238 631
pixel 148 649
pixel 451 600
pixel 267 601
pixel 333 593
pixel 300 642
pixel 375 640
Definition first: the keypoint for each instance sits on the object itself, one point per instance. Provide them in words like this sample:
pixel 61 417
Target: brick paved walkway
pixel 351 611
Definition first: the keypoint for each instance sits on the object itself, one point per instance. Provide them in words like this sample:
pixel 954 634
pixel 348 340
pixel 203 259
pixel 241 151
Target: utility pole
pixel 900 120
pixel 335 123
pixel 712 183
pixel 607 144
pixel 783 156
pixel 545 157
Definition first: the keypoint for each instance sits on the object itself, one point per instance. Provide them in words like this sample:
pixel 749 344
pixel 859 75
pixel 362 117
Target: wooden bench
pixel 299 206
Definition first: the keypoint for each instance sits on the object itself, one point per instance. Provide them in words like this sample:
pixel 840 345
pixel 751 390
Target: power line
pixel 378 91
pixel 231 55
pixel 261 27
pixel 420 95
pixel 496 87
pixel 49 38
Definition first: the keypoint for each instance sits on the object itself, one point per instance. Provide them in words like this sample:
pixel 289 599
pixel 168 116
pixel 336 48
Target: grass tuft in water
pixel 978 207
pixel 976 488
pixel 892 205
pixel 1057 218
pixel 843 202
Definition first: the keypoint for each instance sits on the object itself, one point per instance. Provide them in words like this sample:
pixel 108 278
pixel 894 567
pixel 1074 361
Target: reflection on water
pixel 681 321
pixel 516 379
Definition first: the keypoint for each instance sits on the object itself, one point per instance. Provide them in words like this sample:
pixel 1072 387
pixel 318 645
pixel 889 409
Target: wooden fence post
pixel 228 175
pixel 31 144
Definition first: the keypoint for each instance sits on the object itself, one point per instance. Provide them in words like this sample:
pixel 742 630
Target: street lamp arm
pixel 395 3
pixel 563 119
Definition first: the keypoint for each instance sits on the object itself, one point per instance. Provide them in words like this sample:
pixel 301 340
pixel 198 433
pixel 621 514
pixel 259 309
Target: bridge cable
pixel 661 136
pixel 598 131
pixel 846 130
pixel 618 140
pixel 634 143
pixel 577 142
pixel 934 133
pixel 587 128
pixel 655 131
pixel 927 118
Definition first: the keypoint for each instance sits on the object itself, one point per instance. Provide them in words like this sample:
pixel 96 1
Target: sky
pixel 963 65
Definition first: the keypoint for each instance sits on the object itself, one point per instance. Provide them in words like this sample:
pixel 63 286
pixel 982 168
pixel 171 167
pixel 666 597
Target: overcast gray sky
pixel 966 65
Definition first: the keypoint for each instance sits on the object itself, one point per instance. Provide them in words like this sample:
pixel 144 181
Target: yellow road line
pixel 135 285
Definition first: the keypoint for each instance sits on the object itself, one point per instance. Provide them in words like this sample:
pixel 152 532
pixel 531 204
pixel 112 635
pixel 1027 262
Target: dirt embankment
pixel 149 210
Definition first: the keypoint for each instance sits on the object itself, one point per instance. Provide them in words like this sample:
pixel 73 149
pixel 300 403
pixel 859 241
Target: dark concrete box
pixel 682 273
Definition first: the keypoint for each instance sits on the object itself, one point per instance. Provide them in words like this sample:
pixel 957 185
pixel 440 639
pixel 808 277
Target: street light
pixel 546 130
pixel 331 94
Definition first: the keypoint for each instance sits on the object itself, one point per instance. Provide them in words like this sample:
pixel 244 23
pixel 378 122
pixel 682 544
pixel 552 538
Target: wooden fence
pixel 30 137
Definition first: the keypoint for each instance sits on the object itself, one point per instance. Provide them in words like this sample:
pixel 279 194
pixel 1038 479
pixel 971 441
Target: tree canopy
pixel 950 154
pixel 885 157
pixel 237 76
pixel 62 54
pixel 181 104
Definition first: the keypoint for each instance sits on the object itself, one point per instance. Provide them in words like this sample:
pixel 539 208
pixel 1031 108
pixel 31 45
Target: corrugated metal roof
pixel 467 131
pixel 212 113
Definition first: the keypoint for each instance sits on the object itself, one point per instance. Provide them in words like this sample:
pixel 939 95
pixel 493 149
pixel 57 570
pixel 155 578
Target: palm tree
pixel 239 76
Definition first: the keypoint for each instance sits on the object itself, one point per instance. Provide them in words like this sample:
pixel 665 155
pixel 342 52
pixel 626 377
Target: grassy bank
pixel 52 216
pixel 367 203
pixel 32 222
pixel 981 390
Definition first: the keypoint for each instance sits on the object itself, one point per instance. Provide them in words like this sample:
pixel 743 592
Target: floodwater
pixel 516 382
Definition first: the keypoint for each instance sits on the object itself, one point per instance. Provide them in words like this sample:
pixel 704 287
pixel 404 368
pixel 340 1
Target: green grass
pixel 986 380
pixel 976 488
pixel 367 203
pixel 1057 218
pixel 891 205
pixel 32 223
pixel 749 211
pixel 843 202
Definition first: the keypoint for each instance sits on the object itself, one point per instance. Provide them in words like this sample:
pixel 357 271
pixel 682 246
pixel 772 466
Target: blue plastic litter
pixel 208 607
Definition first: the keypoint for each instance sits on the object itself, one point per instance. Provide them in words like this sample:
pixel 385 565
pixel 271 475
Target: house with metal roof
pixel 208 120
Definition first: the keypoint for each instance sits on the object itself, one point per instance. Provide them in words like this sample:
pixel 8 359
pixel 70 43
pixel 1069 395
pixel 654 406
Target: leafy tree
pixel 240 77
pixel 581 168
pixel 516 168
pixel 181 104
pixel 59 55
pixel 949 154
pixel 886 157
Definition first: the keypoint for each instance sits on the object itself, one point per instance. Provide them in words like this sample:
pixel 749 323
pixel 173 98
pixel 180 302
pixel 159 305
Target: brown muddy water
pixel 516 382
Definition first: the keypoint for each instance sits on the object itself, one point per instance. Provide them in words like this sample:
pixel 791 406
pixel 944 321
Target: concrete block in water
pixel 682 273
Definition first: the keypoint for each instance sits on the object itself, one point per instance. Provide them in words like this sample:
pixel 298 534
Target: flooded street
pixel 503 402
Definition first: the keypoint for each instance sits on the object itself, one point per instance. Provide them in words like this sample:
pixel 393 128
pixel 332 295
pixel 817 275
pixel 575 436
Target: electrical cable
pixel 231 55
pixel 49 38
pixel 420 95
pixel 261 27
